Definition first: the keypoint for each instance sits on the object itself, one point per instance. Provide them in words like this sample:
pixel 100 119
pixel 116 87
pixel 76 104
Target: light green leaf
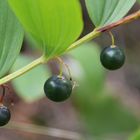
pixel 106 115
pixel 11 37
pixel 135 136
pixel 30 86
pixel 104 12
pixel 88 67
pixel 55 24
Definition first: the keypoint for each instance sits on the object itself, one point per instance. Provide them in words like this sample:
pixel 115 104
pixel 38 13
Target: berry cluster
pixel 59 88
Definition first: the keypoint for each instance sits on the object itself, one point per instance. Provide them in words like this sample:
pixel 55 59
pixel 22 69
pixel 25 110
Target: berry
pixel 5 115
pixel 58 88
pixel 112 58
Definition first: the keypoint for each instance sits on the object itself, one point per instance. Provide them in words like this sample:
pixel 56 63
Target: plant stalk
pixel 22 70
pixel 86 38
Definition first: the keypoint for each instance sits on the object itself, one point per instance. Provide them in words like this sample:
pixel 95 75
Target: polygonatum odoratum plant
pixel 55 26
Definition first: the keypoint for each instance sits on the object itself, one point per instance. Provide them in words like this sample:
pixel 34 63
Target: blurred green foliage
pixel 30 86
pixel 135 136
pixel 93 76
pixel 102 113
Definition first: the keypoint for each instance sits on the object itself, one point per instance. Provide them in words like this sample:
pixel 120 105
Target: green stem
pixel 86 38
pixel 23 70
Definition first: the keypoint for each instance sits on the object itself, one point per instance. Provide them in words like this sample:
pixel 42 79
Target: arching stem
pixel 23 70
pixel 100 30
pixel 86 38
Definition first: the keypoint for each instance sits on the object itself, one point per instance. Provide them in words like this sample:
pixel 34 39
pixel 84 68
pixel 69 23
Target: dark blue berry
pixel 112 58
pixel 58 88
pixel 5 115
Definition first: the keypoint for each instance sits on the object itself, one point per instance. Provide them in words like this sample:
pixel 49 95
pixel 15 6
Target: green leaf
pixel 11 37
pixel 106 115
pixel 30 86
pixel 89 67
pixel 104 12
pixel 135 136
pixel 55 24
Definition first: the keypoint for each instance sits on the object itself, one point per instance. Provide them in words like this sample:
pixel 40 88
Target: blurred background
pixel 104 104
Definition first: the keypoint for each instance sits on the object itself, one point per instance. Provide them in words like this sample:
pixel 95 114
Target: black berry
pixel 112 58
pixel 5 115
pixel 58 88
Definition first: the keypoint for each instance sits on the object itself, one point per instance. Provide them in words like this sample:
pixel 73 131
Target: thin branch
pixel 125 20
pixel 22 70
pixel 98 31
pixel 86 38
pixel 41 130
pixel 59 133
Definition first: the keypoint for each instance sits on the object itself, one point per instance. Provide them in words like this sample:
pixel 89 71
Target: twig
pixel 59 133
pixel 123 21
pixel 23 70
pixel 41 130
pixel 98 31
pixel 86 38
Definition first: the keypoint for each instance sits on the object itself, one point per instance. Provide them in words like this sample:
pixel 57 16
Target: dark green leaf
pixel 11 37
pixel 103 12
